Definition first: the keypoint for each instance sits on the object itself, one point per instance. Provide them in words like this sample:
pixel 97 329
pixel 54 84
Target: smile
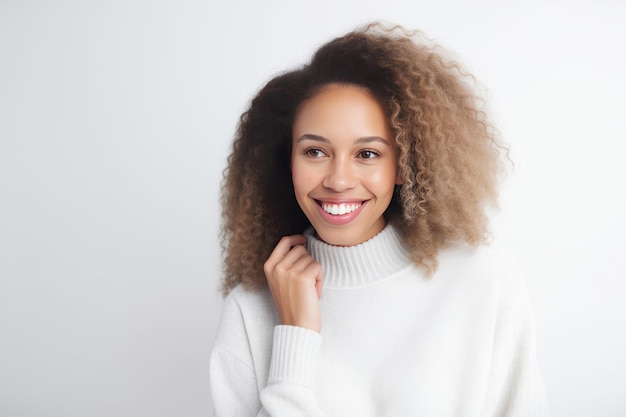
pixel 340 209
pixel 340 213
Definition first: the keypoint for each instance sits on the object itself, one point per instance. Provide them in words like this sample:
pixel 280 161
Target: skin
pixel 343 161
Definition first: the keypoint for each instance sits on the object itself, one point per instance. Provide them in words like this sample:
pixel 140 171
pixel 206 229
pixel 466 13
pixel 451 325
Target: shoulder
pixel 244 299
pixel 485 258
pixel 484 269
pixel 482 261
pixel 248 305
pixel 489 280
pixel 247 315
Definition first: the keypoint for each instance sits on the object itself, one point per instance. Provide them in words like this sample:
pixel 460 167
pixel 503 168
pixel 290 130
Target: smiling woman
pixel 354 213
pixel 343 164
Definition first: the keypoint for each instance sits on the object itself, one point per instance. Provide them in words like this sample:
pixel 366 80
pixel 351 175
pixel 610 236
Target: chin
pixel 338 237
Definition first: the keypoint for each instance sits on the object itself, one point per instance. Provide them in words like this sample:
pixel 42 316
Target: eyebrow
pixel 364 139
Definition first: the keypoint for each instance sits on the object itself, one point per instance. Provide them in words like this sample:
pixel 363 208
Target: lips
pixel 340 213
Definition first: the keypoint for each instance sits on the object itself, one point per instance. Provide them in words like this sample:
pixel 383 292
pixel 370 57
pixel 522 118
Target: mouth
pixel 340 213
pixel 339 209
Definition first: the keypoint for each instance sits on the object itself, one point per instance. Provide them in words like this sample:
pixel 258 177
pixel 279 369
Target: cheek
pixel 383 180
pixel 300 179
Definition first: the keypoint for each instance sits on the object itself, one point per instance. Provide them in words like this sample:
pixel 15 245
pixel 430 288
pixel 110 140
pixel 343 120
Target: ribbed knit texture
pixel 353 266
pixel 294 357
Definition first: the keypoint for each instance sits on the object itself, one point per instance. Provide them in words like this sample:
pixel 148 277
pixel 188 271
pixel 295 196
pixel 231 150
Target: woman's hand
pixel 295 280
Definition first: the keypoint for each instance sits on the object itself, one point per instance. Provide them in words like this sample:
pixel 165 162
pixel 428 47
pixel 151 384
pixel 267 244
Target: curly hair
pixel 448 154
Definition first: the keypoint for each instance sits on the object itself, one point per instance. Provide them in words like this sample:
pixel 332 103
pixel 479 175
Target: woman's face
pixel 343 164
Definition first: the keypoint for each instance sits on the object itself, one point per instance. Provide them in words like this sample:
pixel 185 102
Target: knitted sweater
pixel 393 341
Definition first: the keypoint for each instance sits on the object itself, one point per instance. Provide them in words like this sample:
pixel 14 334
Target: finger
pixel 282 248
pixel 319 283
pixel 314 271
pixel 292 240
pixel 301 266
pixel 297 258
pixel 285 244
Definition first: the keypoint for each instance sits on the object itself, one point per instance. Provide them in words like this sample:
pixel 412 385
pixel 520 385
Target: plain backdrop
pixel 115 123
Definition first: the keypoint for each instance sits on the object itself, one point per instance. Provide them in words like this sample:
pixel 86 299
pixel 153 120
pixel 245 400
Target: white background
pixel 115 122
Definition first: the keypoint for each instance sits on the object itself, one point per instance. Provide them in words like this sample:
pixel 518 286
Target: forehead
pixel 339 109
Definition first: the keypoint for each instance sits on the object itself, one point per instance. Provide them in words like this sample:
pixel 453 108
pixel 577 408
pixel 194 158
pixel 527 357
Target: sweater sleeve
pixel 250 380
pixel 290 389
pixel 515 383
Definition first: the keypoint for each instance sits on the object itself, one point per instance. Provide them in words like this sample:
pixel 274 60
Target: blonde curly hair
pixel 448 154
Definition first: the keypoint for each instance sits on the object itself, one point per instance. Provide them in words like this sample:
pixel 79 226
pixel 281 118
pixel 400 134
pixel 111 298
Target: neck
pixel 359 265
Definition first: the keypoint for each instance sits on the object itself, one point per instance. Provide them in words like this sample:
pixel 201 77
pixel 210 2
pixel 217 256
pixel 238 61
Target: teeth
pixel 338 209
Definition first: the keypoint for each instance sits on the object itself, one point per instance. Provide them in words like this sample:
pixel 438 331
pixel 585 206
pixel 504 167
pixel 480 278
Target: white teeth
pixel 339 209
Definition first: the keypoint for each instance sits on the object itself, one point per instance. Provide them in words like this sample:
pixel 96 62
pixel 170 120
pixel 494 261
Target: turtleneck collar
pixel 363 264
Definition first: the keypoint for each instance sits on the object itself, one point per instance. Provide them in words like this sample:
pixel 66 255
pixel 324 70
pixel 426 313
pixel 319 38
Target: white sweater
pixel 393 342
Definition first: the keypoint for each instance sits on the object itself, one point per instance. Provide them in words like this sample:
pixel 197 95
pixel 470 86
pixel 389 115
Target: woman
pixel 354 206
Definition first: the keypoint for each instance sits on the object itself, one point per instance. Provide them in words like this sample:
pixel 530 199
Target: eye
pixel 368 154
pixel 314 153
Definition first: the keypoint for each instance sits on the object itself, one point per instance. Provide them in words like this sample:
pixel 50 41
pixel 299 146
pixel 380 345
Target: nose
pixel 340 176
